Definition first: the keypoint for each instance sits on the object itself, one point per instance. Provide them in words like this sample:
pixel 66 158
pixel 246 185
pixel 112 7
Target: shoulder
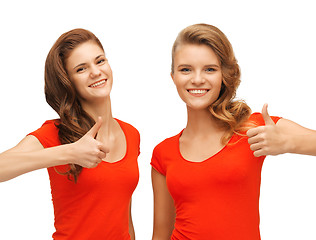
pixel 49 126
pixel 168 144
pixel 126 126
pixel 165 152
pixel 131 134
pixel 47 134
pixel 257 119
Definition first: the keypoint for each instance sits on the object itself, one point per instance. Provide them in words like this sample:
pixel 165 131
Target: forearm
pixel 304 143
pixel 294 138
pixel 13 164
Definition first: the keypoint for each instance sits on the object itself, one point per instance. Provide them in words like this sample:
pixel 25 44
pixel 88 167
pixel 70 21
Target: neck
pixel 201 122
pixel 102 109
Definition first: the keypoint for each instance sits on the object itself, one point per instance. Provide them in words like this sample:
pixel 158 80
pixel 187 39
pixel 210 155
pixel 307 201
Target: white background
pixel 274 42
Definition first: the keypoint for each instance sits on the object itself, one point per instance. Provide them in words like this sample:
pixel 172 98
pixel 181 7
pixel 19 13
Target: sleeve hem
pixel 38 138
pixel 154 167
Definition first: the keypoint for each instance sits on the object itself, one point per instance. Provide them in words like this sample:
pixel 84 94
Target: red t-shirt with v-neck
pixel 217 198
pixel 97 206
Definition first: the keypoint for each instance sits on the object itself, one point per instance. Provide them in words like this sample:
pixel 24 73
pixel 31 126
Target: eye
pixel 210 69
pixel 81 69
pixel 185 70
pixel 100 61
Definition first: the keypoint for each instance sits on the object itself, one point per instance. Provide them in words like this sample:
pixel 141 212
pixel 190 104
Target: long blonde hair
pixel 231 114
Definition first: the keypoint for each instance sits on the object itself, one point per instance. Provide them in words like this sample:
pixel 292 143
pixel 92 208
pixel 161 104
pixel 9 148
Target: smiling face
pixel 197 75
pixel 90 72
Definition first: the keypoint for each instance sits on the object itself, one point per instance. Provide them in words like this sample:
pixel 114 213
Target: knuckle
pixel 249 133
pixel 92 164
pixel 95 152
pixel 261 134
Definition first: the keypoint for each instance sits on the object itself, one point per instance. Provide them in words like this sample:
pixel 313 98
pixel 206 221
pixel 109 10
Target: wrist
pixel 290 145
pixel 66 154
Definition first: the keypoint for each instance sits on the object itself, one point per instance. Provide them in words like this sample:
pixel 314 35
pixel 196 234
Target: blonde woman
pixel 206 179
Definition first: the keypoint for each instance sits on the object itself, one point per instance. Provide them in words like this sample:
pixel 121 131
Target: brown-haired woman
pixel 206 179
pixel 91 157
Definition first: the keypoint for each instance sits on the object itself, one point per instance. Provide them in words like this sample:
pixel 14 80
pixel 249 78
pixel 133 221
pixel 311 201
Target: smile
pixel 198 92
pixel 98 83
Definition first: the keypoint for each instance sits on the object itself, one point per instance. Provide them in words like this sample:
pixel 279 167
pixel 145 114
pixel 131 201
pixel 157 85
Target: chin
pixel 198 107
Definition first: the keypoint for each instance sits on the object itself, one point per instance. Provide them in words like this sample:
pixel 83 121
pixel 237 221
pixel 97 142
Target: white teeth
pixel 198 91
pixel 97 84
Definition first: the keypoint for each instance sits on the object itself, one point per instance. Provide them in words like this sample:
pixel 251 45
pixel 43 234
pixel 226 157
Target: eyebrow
pixel 184 65
pixel 188 65
pixel 212 65
pixel 101 55
pixel 82 64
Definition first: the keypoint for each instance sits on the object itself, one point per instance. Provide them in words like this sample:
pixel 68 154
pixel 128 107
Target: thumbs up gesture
pixel 87 151
pixel 268 139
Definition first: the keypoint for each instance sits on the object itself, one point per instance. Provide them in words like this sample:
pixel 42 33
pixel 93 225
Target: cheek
pixel 107 69
pixel 220 89
pixel 219 86
pixel 180 85
pixel 78 84
pixel 217 82
pixel 180 81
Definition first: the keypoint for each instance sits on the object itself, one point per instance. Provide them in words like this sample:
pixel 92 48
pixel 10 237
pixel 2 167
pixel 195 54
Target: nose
pixel 198 78
pixel 94 71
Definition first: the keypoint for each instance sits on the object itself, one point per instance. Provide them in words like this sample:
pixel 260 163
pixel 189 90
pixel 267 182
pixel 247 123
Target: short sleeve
pixel 156 161
pixel 257 118
pixel 47 134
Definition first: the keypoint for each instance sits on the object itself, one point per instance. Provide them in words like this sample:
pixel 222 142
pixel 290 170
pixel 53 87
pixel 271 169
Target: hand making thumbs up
pixel 267 139
pixel 87 151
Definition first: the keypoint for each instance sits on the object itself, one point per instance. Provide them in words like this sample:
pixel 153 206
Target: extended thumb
pixel 94 130
pixel 266 117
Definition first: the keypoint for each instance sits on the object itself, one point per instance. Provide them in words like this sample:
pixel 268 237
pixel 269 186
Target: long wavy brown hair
pixel 61 94
pixel 231 114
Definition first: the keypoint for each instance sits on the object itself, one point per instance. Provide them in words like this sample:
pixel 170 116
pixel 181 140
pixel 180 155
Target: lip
pixel 99 83
pixel 198 92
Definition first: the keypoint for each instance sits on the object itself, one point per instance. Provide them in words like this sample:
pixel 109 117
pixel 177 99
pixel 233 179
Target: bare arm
pixel 283 137
pixel 30 155
pixel 298 139
pixel 27 156
pixel 130 223
pixel 164 210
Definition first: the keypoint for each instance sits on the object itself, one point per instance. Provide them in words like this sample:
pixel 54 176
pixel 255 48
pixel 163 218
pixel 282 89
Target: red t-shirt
pixel 217 198
pixel 97 206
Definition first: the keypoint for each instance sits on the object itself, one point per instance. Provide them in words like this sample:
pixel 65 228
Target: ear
pixel 171 74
